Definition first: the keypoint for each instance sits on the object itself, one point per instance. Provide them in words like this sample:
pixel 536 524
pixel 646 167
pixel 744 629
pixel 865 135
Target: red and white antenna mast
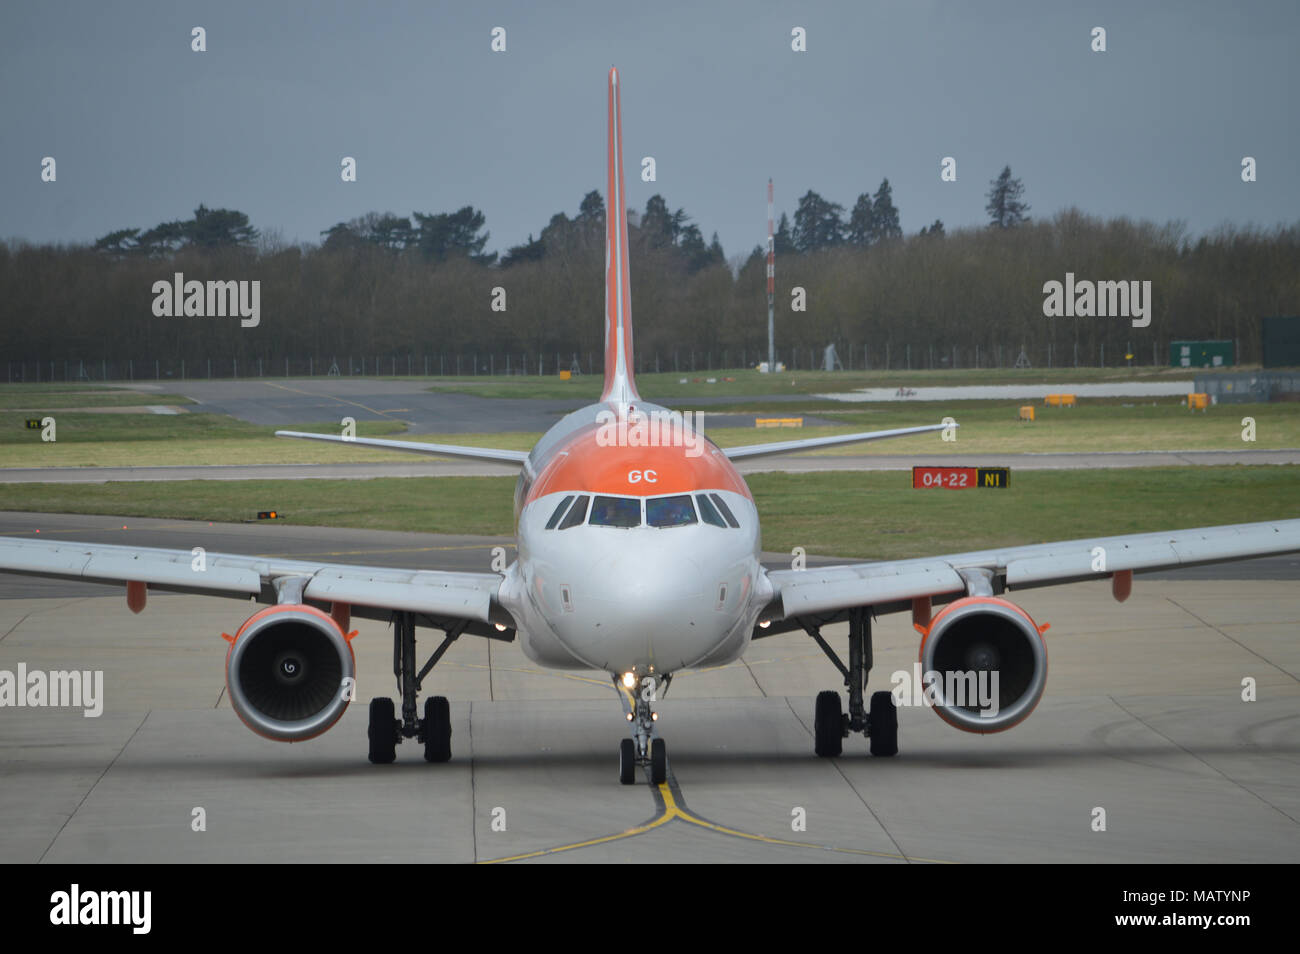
pixel 771 286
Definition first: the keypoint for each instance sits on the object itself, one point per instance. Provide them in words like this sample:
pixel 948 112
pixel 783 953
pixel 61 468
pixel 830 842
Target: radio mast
pixel 771 286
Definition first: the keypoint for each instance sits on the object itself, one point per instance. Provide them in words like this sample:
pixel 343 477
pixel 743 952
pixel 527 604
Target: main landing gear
pixel 434 730
pixel 644 747
pixel 830 725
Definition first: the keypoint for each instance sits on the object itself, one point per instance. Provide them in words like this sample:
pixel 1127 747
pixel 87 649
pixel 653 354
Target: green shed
pixel 1201 354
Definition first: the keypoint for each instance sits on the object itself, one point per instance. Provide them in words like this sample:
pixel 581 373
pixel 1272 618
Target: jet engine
pixel 290 671
pixel 986 662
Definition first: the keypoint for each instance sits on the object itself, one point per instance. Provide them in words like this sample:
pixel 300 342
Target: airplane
pixel 639 556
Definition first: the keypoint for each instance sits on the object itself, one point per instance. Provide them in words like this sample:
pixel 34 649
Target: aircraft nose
pixel 643 589
pixel 644 607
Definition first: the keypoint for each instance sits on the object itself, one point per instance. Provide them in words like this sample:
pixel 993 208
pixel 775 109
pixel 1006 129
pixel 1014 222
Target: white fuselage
pixel 640 598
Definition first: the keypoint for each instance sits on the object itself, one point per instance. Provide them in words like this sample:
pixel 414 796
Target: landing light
pixel 629 680
pixel 654 717
pixel 765 624
pixel 629 717
pixel 501 627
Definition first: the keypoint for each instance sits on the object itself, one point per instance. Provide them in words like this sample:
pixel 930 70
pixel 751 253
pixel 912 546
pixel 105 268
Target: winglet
pixel 620 386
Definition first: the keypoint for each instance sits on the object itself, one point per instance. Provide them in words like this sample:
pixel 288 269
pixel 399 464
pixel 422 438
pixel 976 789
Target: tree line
pixel 422 284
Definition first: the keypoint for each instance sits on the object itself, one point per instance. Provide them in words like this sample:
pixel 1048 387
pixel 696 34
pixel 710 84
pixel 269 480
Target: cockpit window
pixel 724 509
pixel 616 512
pixel 559 512
pixel 709 513
pixel 577 514
pixel 669 511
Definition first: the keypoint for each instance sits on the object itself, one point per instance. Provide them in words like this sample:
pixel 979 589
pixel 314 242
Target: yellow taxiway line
pixel 671 811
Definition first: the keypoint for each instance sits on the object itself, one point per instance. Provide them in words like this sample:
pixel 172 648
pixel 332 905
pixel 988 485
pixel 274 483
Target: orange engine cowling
pixel 984 663
pixel 290 672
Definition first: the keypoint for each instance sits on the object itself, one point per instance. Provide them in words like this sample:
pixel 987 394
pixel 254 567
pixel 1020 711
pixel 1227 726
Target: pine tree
pixel 693 249
pixel 1005 208
pixel 445 235
pixel 884 217
pixel 782 241
pixel 220 228
pixel 860 222
pixel 715 251
pixel 590 222
pixel 658 225
pixel 817 223
pixel 592 206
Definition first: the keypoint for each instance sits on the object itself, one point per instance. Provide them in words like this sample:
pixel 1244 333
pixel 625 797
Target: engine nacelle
pixel 290 672
pixel 991 662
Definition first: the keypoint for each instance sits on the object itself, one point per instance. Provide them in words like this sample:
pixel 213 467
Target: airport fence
pixel 1250 387
pixel 852 357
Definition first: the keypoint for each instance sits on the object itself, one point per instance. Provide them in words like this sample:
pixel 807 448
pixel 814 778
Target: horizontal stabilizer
pixel 747 451
pixel 516 458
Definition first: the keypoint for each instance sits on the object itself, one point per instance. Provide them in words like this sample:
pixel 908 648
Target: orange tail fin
pixel 620 382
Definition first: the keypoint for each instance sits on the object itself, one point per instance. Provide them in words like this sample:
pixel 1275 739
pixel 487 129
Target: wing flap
pixel 820 589
pixel 42 557
pixel 467 595
pixel 117 564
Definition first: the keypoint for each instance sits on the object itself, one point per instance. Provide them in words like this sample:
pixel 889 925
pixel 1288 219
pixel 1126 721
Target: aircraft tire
pixel 382 732
pixel 828 722
pixel 437 729
pixel 884 724
pixel 627 762
pixel 658 761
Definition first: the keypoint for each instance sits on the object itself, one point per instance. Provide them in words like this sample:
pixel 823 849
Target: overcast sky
pixel 143 129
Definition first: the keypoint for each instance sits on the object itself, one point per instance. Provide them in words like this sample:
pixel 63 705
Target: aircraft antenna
pixel 771 286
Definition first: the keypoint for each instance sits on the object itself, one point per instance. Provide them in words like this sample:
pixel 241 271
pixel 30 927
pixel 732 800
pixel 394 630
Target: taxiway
pixel 1143 718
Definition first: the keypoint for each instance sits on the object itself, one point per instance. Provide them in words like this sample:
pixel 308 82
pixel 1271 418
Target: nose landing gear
pixel 644 747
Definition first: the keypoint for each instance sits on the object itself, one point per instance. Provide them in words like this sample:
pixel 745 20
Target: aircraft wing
pixel 747 451
pixel 438 450
pixel 890 586
pixel 372 591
